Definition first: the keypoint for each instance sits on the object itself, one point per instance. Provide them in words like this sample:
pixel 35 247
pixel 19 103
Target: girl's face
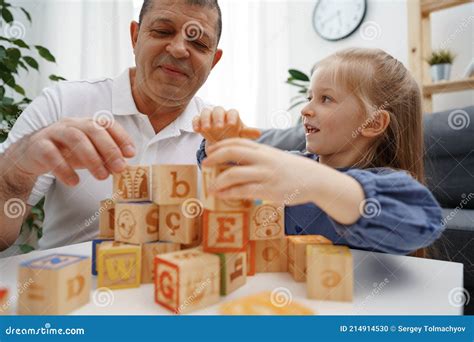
pixel 332 119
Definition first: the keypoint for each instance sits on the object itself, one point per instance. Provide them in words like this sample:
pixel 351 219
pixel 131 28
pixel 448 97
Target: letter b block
pixel 54 285
pixel 173 184
pixel 225 231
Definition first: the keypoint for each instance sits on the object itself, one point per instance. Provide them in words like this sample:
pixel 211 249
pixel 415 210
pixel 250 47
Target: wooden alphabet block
pixel 149 251
pixel 267 221
pixel 233 271
pixel 271 255
pixel 330 273
pixel 251 264
pixel 106 218
pixel 4 307
pixel 118 265
pixel 173 184
pixel 136 222
pixel 225 231
pixel 133 184
pixel 95 248
pixel 212 203
pixel 54 285
pixel 187 280
pixel 177 226
pixel 297 253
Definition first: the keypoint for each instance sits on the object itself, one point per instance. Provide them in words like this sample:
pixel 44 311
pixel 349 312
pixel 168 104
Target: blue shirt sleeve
pixel 201 153
pixel 399 215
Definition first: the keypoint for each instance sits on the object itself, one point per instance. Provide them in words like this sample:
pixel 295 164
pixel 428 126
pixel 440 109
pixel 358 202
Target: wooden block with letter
pixel 118 265
pixel 136 222
pixel 149 251
pixel 178 226
pixel 173 184
pixel 95 248
pixel 133 184
pixel 210 202
pixel 251 264
pixel 106 218
pixel 271 255
pixel 297 253
pixel 225 231
pixel 233 271
pixel 187 280
pixel 4 305
pixel 267 221
pixel 55 284
pixel 330 273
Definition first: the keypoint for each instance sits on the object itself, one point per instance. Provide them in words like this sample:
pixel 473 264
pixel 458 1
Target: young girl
pixel 361 182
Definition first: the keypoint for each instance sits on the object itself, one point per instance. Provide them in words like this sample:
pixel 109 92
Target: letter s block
pixel 225 231
pixel 173 184
pixel 118 265
pixel 54 284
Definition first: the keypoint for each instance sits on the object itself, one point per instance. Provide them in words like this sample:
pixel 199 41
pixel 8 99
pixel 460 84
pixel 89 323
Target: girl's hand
pixel 262 172
pixel 217 124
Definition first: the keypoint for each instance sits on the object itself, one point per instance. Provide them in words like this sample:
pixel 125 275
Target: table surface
pixel 383 285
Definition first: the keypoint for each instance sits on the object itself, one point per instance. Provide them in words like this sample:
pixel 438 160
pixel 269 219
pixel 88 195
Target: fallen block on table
pixel 233 271
pixel 330 273
pixel 118 265
pixel 54 285
pixel 149 251
pixel 136 222
pixel 133 184
pixel 187 280
pixel 297 253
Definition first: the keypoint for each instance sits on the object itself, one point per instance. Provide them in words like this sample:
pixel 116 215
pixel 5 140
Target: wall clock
pixel 338 19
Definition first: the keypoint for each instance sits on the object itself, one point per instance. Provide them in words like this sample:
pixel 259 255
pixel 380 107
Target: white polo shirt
pixel 71 213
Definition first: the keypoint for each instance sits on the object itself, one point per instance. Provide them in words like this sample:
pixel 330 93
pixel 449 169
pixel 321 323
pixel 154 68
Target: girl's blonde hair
pixel 380 82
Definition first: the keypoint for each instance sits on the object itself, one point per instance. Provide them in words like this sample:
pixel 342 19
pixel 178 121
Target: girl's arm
pixel 264 172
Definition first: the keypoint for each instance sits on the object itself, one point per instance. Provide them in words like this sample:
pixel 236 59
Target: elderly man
pixel 73 136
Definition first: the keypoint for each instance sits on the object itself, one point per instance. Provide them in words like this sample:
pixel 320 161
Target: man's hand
pixel 217 124
pixel 73 143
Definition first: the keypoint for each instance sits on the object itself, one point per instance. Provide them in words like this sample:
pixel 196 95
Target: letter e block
pixel 225 231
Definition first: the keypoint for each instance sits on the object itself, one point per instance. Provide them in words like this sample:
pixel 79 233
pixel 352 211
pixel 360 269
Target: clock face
pixel 337 19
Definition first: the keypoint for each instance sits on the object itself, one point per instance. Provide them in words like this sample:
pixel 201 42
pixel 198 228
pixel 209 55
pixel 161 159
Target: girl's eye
pixel 326 98
pixel 309 98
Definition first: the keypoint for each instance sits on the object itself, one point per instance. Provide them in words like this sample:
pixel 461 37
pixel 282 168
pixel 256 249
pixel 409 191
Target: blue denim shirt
pixel 399 214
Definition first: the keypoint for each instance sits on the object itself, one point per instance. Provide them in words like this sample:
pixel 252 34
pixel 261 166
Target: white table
pixel 384 285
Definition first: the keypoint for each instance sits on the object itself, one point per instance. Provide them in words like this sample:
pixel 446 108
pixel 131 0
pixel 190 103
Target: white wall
pixel 388 20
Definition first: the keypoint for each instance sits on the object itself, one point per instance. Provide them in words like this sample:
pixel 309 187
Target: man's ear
pixel 376 125
pixel 217 57
pixel 134 30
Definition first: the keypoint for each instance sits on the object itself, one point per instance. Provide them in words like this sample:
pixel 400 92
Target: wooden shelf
pixel 448 86
pixel 429 6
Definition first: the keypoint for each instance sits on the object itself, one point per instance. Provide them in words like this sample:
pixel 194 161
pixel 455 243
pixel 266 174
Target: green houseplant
pixel 15 56
pixel 440 62
pixel 300 80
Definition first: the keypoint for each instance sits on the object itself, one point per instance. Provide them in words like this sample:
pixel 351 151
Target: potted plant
pixel 440 62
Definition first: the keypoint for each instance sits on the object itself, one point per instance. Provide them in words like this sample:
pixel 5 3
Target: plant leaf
pixel 25 248
pixel 31 62
pixel 7 15
pixel 298 75
pixel 19 89
pixel 20 43
pixel 2 92
pixel 44 52
pixel 27 14
pixel 56 78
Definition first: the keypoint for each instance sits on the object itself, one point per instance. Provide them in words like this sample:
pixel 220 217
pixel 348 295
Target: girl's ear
pixel 376 125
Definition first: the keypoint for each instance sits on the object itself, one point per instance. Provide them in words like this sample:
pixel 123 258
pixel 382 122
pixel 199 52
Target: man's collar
pixel 124 104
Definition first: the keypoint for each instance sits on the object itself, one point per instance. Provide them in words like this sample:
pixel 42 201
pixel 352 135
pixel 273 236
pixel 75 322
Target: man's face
pixel 175 49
